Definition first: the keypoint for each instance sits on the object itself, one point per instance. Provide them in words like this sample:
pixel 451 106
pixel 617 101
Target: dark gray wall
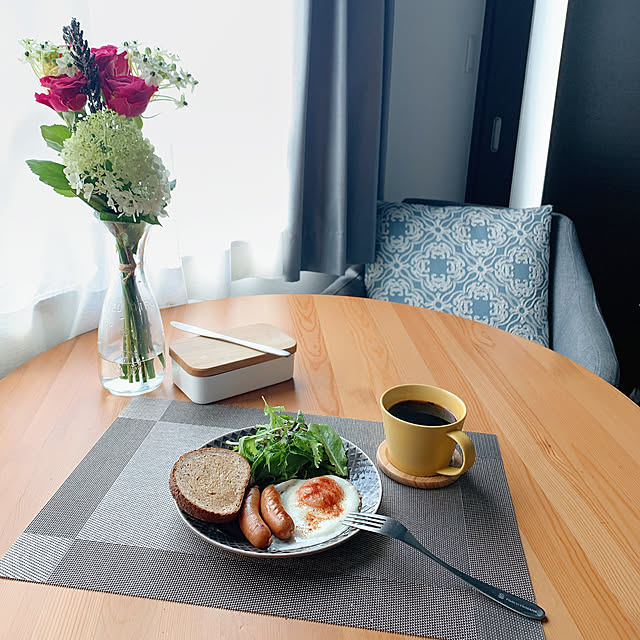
pixel 593 171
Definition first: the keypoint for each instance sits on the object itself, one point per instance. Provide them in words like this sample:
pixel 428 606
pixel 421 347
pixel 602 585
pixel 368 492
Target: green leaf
pixel 67 193
pixel 333 447
pixel 258 470
pixel 247 448
pixel 54 135
pixel 295 462
pixel 172 184
pixel 98 203
pixel 109 216
pixel 276 418
pixel 311 446
pixel 288 448
pixel 51 173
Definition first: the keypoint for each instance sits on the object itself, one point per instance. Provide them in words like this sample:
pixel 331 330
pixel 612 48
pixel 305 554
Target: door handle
pixel 495 134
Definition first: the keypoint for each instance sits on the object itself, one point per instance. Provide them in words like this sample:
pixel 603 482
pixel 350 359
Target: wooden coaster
pixel 420 482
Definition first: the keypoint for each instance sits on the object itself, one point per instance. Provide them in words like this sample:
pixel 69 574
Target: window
pixel 228 151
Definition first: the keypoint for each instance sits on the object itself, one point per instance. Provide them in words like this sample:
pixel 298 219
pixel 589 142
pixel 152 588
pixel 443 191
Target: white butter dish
pixel 208 370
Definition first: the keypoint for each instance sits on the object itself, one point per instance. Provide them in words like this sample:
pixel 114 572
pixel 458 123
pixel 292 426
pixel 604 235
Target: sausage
pixel 273 513
pixel 251 524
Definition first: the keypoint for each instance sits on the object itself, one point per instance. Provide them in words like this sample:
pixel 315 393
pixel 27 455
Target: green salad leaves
pixel 288 448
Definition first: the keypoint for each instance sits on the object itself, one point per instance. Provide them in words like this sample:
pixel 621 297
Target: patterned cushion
pixel 486 264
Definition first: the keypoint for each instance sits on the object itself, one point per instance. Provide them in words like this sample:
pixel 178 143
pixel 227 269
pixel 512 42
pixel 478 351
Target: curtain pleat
pixel 340 148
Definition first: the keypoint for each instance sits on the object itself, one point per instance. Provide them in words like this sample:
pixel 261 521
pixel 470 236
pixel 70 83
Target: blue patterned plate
pixel 362 474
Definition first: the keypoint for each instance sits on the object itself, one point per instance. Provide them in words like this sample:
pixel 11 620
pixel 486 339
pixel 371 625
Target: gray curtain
pixel 341 141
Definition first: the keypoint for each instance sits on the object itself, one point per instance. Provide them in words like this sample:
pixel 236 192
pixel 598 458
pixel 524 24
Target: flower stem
pixel 137 341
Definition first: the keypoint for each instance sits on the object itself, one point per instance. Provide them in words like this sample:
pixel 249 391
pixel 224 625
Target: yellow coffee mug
pixel 422 425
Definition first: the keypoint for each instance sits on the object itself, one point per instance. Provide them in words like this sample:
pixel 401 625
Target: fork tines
pixel 373 521
pixel 366 517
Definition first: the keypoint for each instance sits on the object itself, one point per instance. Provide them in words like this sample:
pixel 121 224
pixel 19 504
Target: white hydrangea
pixel 108 159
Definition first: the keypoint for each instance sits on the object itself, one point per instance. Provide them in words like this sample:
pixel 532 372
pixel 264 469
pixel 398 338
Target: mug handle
pixel 468 454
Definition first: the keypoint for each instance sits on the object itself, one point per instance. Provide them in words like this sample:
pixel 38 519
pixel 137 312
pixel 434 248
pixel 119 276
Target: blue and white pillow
pixel 486 264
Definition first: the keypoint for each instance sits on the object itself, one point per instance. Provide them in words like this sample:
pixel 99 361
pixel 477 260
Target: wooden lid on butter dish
pixel 202 357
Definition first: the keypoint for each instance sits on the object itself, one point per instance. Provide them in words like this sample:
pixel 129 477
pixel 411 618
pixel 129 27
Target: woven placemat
pixel 113 526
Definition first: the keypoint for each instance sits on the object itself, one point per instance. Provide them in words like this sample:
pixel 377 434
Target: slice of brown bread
pixel 209 483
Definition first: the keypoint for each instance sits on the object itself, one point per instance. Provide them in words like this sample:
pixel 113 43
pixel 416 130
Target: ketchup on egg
pixel 321 493
pixel 324 495
pixel 317 506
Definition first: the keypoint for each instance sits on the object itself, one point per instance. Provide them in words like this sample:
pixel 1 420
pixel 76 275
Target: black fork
pixel 377 523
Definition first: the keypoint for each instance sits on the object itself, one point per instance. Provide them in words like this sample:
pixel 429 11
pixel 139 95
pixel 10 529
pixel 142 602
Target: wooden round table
pixel 570 444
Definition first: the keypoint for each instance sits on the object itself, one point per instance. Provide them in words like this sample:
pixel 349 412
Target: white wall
pixel 433 88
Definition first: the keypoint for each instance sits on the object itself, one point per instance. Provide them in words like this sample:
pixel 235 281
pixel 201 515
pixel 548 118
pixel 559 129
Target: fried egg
pixel 317 507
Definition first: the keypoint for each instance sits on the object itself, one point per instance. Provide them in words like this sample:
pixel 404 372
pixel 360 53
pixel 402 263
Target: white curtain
pixel 228 150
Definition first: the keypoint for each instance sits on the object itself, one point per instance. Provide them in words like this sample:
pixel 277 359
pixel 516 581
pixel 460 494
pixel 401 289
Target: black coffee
pixel 419 412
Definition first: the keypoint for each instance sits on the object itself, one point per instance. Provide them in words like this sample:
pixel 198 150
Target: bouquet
pixel 101 95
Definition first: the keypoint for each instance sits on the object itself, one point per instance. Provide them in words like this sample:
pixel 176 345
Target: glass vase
pixel 130 334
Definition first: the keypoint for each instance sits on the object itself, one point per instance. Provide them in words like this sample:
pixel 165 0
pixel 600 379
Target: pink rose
pixel 127 95
pixel 110 62
pixel 65 92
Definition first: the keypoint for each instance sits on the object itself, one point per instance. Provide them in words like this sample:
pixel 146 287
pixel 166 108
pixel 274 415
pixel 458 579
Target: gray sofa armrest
pixel 351 283
pixel 577 328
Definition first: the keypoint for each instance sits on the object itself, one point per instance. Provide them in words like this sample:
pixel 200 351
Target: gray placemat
pixel 113 526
